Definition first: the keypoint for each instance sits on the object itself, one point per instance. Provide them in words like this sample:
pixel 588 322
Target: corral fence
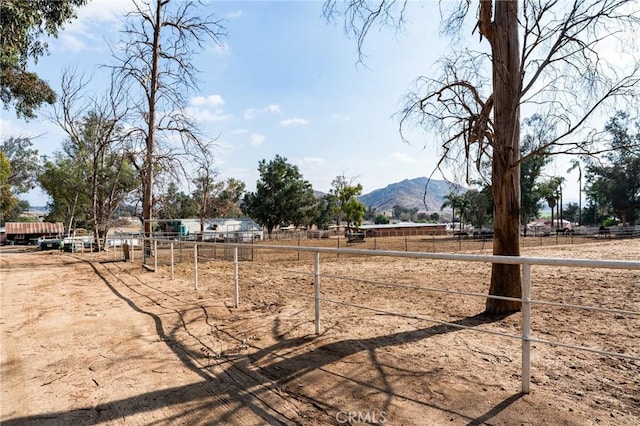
pixel 448 242
pixel 169 252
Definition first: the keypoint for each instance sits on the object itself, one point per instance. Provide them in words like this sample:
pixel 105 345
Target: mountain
pixel 409 194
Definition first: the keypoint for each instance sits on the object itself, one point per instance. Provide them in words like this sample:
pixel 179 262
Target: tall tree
pixel 354 211
pixel 343 191
pixel 174 204
pixel 156 59
pixel 98 146
pixel 64 181
pixel 615 179
pixel 575 164
pixel 537 133
pixel 24 25
pixel 282 195
pixel 7 200
pixel 480 206
pixel 24 163
pixel 543 53
pixel 451 201
pixel 20 165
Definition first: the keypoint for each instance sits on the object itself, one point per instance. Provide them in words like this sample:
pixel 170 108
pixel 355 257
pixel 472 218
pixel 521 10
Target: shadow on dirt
pixel 238 385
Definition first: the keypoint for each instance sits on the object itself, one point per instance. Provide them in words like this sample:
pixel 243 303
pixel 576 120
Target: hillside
pixel 409 194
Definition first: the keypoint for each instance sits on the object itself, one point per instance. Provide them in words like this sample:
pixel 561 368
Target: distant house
pixel 241 229
pixel 31 232
pixel 403 229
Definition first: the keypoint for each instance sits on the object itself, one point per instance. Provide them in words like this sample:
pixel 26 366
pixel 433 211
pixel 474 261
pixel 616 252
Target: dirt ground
pixel 87 339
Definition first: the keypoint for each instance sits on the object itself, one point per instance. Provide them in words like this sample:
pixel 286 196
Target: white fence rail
pixel 526 300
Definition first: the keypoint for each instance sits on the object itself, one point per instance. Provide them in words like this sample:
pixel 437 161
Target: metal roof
pixel 403 225
pixel 34 228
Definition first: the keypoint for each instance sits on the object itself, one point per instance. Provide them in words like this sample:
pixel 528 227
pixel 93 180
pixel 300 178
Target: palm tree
pixel 575 164
pixel 451 200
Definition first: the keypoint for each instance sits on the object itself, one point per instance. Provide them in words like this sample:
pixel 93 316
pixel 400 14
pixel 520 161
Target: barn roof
pixel 403 225
pixel 34 228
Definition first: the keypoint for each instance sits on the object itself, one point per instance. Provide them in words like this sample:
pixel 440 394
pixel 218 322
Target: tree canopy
pixel 615 182
pixel 282 195
pixel 24 25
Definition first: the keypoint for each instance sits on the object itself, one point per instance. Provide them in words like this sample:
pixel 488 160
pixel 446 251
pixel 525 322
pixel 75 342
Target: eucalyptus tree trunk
pixel 502 33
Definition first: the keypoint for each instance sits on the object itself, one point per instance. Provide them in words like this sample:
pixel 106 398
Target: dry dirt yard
pixel 89 340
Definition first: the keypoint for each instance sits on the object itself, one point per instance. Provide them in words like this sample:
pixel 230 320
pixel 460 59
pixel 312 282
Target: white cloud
pixel 251 113
pixel 296 121
pixel 239 131
pixel 211 100
pixel 207 115
pixel 257 139
pixel 72 43
pixel 232 15
pixel 87 31
pixel 311 161
pixel 222 48
pixel 402 158
pixel 340 117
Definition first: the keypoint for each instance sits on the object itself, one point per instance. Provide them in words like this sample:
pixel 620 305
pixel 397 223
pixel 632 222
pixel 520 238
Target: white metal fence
pixel 181 251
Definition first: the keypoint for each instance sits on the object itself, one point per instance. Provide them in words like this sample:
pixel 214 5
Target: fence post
pixel 195 265
pixel 173 272
pixel 132 250
pixel 236 285
pixel 316 288
pixel 526 327
pixel 155 256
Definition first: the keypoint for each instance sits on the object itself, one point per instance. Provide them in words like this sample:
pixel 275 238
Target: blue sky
pixel 284 81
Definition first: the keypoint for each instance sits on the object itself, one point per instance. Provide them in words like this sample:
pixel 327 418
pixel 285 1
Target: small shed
pixel 31 232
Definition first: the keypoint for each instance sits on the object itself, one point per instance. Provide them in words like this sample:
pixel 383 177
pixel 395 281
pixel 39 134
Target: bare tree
pixel 160 38
pixel 544 54
pixel 97 145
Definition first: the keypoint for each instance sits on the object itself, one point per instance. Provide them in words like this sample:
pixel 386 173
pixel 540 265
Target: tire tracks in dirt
pixel 233 379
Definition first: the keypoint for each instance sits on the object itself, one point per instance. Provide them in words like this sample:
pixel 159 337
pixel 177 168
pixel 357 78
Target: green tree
pixel 19 169
pixel 381 220
pixel 480 206
pixel 96 168
pixel 24 163
pixel 282 195
pixel 343 191
pixel 549 191
pixel 451 200
pixel 24 25
pixel 62 179
pixel 8 201
pixel 615 180
pixel 323 212
pixel 174 204
pixel 538 133
pixel 354 211
pixel 572 212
